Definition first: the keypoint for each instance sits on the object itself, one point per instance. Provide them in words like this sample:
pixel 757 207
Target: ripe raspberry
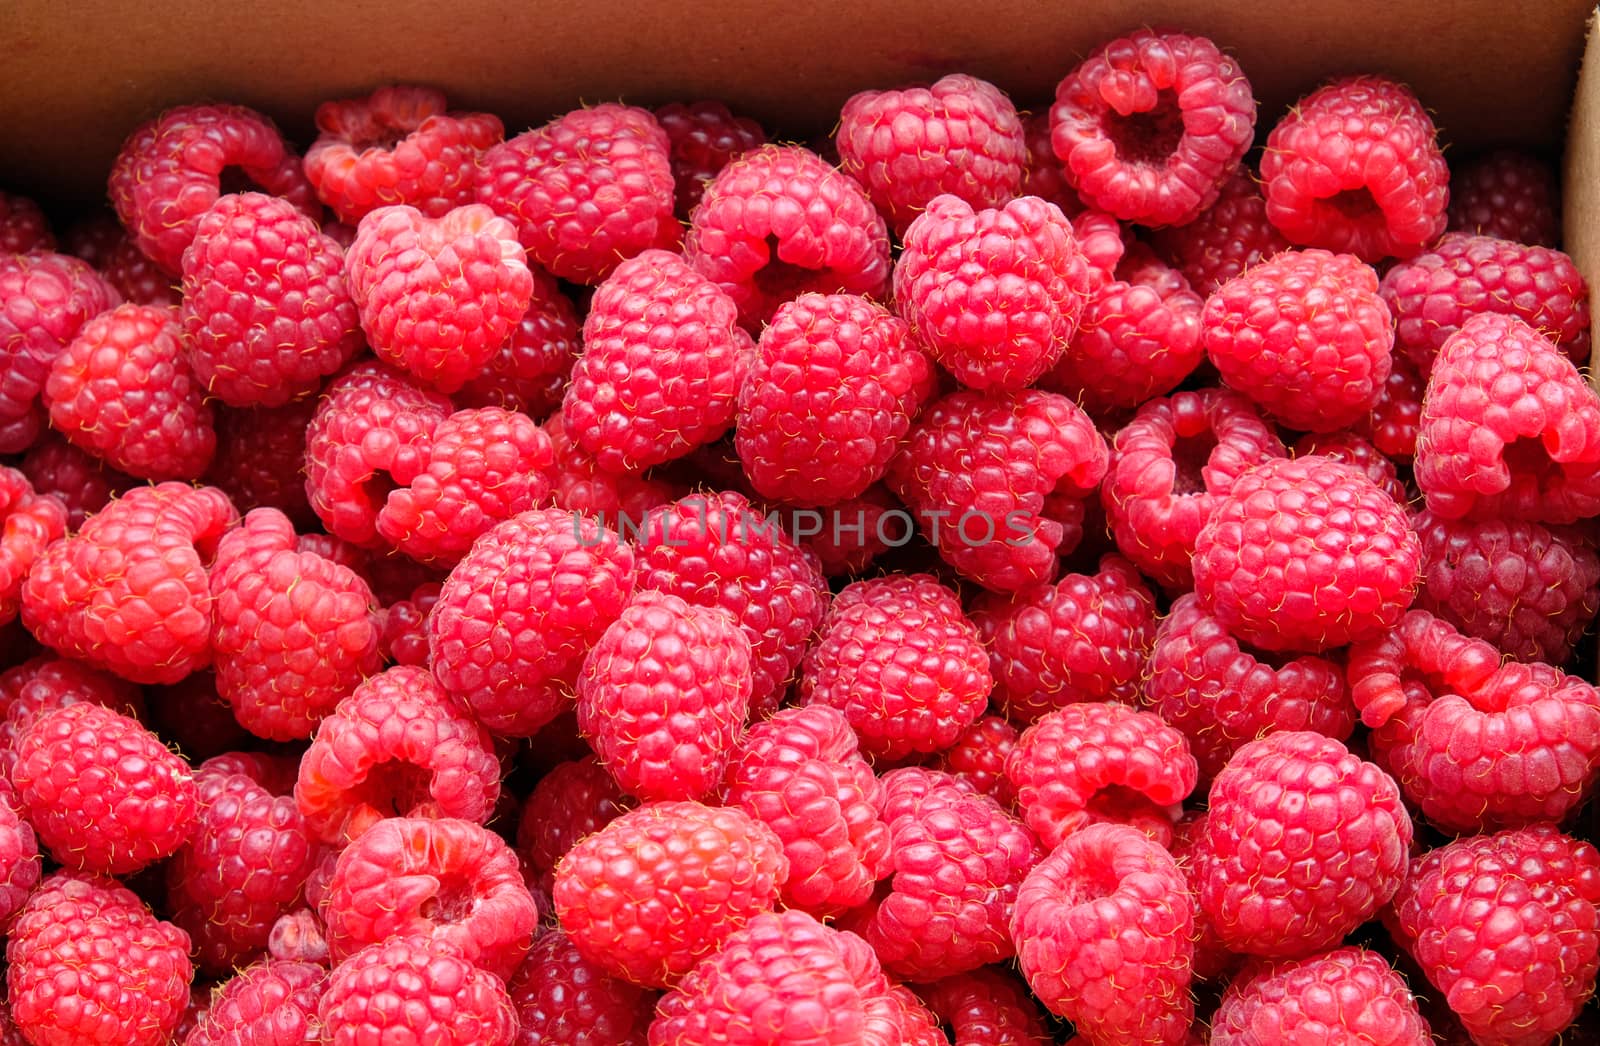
pixel 585 191
pixel 23 226
pixel 519 612
pixel 267 1003
pixel 912 1022
pixel 45 683
pixel 128 592
pixel 79 480
pixel 705 137
pixel 1509 428
pixel 1042 174
pixel 978 758
pixel 1350 448
pixel 1475 743
pixel 987 1008
pixel 404 640
pixel 260 458
pixel 579 484
pixel 561 997
pixel 28 523
pixel 138 279
pixel 529 371
pixel 397 747
pixel 1346 995
pixel 996 294
pixel 438 296
pixel 1355 166
pixel 415 991
pixel 276 773
pixel 397 145
pixel 1304 843
pixel 662 363
pixel 1151 125
pixel 1213 961
pixel 960 136
pixel 660 888
pixel 1504 926
pixel 1507 194
pixel 1004 470
pixel 575 799
pixel 849 535
pixel 1229 236
pixel 1103 929
pixel 780 222
pixel 89 964
pixel 1396 416
pixel 192 716
pixel 19 858
pixel 1100 236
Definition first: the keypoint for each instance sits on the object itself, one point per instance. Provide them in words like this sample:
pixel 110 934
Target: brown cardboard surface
pixel 1581 174
pixel 77 75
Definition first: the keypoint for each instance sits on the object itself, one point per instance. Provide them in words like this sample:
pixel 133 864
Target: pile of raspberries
pixel 1106 575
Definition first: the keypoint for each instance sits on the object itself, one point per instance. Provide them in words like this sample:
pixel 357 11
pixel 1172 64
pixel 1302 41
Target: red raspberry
pixel 1475 743
pixel 260 459
pixel 1103 929
pixel 293 632
pixel 1306 554
pixel 415 991
pixel 994 295
pixel 660 888
pixel 848 535
pixel 1507 194
pixel 579 484
pixel 1084 638
pixel 561 997
pixel 1151 125
pixel 663 359
pixel 77 479
pixel 780 222
pixel 1350 448
pixel 913 1023
pixel 28 523
pixel 1190 848
pixel 575 799
pixel 835 384
pixel 92 236
pixel 1396 414
pixel 128 592
pixel 438 296
pixel 397 746
pixel 978 758
pixel 170 172
pixel 88 964
pixel 23 226
pixel 276 773
pixel 138 279
pixel 404 640
pixel 45 299
pixel 991 479
pixel 1170 466
pixel 1222 694
pixel 519 613
pixel 1505 928
pixel 1345 995
pixel 1355 166
pixel 585 191
pixel 1304 843
pixel 705 137
pixel 960 136
pixel 716 550
pixel 1229 236
pixel 265 1004
pixel 397 145
pixel 1509 428
pixel 529 371
pixel 1100 236
pixel 19 859
pixel 987 1008
pixel 1101 762
pixel 191 715
pixel 44 683
pixel 1042 174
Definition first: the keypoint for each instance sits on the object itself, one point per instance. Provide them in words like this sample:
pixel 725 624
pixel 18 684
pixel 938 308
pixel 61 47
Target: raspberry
pixel 960 136
pixel 1507 194
pixel 80 481
pixel 1103 930
pixel 996 294
pixel 1150 126
pixel 663 360
pixel 44 683
pixel 529 371
pixel 914 1024
pixel 835 384
pixel 1042 174
pixel 1305 843
pixel 128 592
pixel 575 799
pixel 1355 166
pixel 1084 638
pixel 1100 236
pixel 1504 926
pixel 170 172
pixel 415 991
pixel 445 879
pixel 1306 554
pixel 19 859
pixel 780 222
pixel 1509 428
pixel 1396 416
pixel 28 523
pixel 89 964
pixel 987 1008
pixel 404 640
pixel 397 746
pixel 978 758
pixel 1345 995
pixel 138 279
pixel 1170 466
pixel 579 484
pixel 1475 743
pixel 1350 448
pixel 704 137
pixel 1461 276
pixel 1221 694
pixel 1003 469
pixel 660 888
pixel 1191 849
pixel 850 534
pixel 1101 762
pixel 267 1003
pixel 260 458
pixel 900 659
pixel 397 145
pixel 23 226
pixel 561 997
pixel 1229 236
pixel 585 191
pixel 519 613
pixel 438 296
pixel 192 716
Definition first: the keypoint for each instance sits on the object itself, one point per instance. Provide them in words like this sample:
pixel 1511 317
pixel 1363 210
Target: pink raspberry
pixel 1509 428
pixel 1508 194
pixel 44 683
pixel 1396 416
pixel 575 799
pixel 530 369
pixel 415 991
pixel 561 997
pixel 260 1003
pixel 29 522
pixel 987 1007
pixel 586 191
pixel 1042 174
pixel 705 137
pixel 579 484
pixel 79 480
pixel 397 145
pixel 1345 995
pixel 1151 125
pixel 1229 236
pixel 1355 167
pixel 780 222
pixel 960 136
pixel 438 296
pixel 1304 842
pixel 260 458
pixel 995 294
pixel 23 226
pixel 1100 236
pixel 1103 930
pixel 1351 448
